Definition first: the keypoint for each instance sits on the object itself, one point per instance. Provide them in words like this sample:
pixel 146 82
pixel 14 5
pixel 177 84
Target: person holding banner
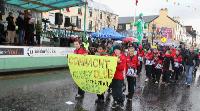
pixel 118 80
pixel 79 50
pixel 131 71
pixel 100 52
pixel 148 64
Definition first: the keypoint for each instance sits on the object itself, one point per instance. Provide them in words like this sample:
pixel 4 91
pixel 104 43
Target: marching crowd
pixel 162 64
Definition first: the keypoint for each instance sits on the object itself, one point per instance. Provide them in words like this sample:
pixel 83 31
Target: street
pixel 55 91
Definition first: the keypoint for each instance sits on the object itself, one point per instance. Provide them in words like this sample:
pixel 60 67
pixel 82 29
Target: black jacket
pixel 192 59
pixel 20 23
pixel 11 25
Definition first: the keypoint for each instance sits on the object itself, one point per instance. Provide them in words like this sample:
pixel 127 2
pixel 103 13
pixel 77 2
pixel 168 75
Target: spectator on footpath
pixel 20 24
pixel 11 28
pixel 38 28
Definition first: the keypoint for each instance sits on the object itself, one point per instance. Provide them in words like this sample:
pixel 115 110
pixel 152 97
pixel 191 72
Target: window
pixel 90 12
pixel 79 11
pixel 79 23
pixel 101 15
pixel 120 27
pixel 67 9
pixel 90 25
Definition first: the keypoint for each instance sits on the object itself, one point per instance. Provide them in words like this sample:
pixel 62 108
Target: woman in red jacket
pixel 148 64
pixel 118 79
pixel 131 71
pixel 177 59
pixel 79 50
pixel 140 53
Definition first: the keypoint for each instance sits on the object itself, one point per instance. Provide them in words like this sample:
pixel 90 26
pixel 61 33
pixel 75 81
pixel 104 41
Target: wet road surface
pixel 49 91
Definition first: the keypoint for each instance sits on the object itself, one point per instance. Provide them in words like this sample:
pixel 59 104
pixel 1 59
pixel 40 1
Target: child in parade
pixel 118 79
pixel 177 61
pixel 79 50
pixel 100 52
pixel 158 65
pixel 140 53
pixel 166 66
pixel 131 73
pixel 148 64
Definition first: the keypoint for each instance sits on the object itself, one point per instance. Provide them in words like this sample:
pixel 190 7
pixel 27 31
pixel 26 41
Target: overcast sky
pixel 188 10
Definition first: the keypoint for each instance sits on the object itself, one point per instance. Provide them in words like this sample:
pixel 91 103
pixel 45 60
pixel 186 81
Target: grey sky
pixel 188 10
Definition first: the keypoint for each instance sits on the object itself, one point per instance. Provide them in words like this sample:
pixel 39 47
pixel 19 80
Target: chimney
pixel 164 12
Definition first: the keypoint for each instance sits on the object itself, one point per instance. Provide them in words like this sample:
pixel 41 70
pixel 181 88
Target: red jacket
pixel 149 58
pixel 158 63
pixel 119 73
pixel 140 53
pixel 177 59
pixel 132 62
pixel 80 51
pixel 173 52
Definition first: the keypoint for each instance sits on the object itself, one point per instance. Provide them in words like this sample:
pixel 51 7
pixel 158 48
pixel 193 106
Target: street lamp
pixel 153 34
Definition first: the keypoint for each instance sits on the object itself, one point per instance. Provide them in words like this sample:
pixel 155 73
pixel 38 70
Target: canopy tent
pixel 107 33
pixel 45 5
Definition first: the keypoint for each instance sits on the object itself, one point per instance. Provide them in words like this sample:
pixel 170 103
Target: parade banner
pixel 92 73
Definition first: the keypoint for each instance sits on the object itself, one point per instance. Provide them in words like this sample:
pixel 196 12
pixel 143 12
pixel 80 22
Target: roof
pixel 99 6
pixel 45 5
pixel 127 20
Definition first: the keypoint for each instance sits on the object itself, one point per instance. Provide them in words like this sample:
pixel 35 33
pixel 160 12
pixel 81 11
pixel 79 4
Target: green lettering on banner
pixel 92 73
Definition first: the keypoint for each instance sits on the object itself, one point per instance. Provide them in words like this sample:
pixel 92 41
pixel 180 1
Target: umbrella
pixel 130 39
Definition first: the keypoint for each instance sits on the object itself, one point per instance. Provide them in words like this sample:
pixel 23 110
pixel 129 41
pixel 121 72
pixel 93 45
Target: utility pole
pixel 85 33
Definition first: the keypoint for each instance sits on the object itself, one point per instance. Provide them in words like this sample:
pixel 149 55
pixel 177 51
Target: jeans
pixel 21 37
pixel 117 92
pixel 189 70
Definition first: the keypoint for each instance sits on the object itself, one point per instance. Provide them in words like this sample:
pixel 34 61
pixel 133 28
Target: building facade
pixel 161 25
pixel 98 16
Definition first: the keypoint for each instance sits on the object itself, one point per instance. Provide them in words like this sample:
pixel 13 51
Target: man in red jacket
pixel 79 50
pixel 118 79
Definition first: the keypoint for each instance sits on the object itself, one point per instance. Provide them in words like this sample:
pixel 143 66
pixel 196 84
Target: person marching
pixel 118 80
pixel 131 69
pixel 79 50
pixel 140 53
pixel 177 62
pixel 158 65
pixel 148 64
pixel 166 66
pixel 100 52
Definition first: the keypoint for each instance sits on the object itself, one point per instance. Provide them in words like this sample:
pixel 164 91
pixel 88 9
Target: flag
pixel 136 2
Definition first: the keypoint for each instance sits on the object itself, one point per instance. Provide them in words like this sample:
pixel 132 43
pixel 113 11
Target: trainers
pixel 78 96
pixel 115 105
pixel 146 80
pixel 188 85
pixel 156 82
pixel 121 106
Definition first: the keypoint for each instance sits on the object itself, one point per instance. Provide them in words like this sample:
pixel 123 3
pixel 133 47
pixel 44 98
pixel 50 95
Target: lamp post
pixel 153 34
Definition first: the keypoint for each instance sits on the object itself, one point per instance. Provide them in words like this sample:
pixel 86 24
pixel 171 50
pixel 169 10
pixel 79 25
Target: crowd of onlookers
pixel 23 30
pixel 162 65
